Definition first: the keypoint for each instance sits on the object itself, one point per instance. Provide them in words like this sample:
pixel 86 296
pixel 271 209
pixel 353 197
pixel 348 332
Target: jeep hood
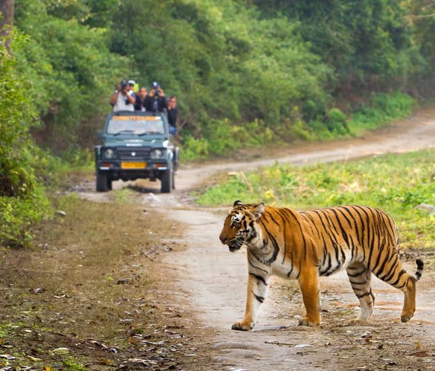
pixel 145 142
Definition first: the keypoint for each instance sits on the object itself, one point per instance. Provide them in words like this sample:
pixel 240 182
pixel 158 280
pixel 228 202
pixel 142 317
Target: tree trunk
pixel 7 20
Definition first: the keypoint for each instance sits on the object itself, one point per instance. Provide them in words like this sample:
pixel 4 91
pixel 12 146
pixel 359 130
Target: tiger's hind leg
pixel 409 304
pixel 397 277
pixel 360 278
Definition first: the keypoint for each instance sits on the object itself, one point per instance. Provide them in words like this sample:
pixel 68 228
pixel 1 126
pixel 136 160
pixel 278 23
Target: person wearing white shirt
pixel 122 100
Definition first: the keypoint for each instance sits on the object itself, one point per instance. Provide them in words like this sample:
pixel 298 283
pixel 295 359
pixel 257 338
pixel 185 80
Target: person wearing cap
pixel 156 100
pixel 131 84
pixel 121 100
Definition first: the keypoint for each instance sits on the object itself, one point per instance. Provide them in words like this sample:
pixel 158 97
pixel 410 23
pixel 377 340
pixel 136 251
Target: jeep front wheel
pixel 167 180
pixel 102 183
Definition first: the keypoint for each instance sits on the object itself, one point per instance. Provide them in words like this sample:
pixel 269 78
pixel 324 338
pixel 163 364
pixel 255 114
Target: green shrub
pixel 17 215
pixel 384 109
pixel 194 148
pixel 299 130
pixel 22 200
pixel 337 122
pixel 221 138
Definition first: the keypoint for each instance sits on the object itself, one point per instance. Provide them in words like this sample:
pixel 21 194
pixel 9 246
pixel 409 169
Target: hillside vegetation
pixel 253 70
pixel 245 72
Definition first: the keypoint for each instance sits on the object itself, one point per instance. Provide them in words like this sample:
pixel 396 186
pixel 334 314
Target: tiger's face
pixel 240 226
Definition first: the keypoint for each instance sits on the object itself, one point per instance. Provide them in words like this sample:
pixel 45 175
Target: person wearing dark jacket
pixel 156 100
pixel 172 115
pixel 139 105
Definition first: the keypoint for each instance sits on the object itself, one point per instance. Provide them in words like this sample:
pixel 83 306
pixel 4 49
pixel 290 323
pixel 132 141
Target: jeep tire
pixel 103 183
pixel 167 180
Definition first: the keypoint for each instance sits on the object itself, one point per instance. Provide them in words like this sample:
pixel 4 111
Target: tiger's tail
pixel 419 272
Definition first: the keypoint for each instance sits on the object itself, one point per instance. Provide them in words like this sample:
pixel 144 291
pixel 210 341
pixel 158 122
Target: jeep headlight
pixel 157 154
pixel 109 153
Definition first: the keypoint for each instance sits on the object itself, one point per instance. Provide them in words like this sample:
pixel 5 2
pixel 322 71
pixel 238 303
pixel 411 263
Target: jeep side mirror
pixel 100 135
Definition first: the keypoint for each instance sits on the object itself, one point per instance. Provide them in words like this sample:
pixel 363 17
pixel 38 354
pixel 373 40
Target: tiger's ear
pixel 238 202
pixel 259 210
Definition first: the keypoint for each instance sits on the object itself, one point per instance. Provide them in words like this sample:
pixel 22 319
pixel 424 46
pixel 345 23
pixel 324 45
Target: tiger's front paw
pixel 307 322
pixel 242 326
pixel 405 317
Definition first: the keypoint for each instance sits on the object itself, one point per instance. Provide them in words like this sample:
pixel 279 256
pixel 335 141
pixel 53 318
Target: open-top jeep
pixel 136 145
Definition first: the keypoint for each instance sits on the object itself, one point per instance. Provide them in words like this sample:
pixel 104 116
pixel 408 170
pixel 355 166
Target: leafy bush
pixel 194 148
pixel 337 122
pixel 18 214
pixel 221 138
pixel 22 201
pixel 384 109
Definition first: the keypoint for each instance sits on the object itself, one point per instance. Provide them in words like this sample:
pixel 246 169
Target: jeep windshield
pixel 135 125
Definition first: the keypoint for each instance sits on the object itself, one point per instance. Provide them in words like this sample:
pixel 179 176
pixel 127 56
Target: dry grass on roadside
pixel 93 279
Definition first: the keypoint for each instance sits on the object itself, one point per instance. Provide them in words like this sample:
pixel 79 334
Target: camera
pixel 156 88
pixel 124 85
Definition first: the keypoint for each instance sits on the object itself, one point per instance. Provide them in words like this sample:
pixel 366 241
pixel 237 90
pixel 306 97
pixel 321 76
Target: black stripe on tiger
pixel 354 275
pixel 275 247
pixel 365 294
pixel 259 298
pixel 255 267
pixel 259 278
pixel 420 266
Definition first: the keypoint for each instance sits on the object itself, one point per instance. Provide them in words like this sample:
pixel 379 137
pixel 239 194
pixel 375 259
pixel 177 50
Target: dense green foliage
pixel 365 182
pixel 365 41
pixel 244 72
pixel 21 198
pixel 220 58
pixel 282 65
pixel 422 18
pixel 67 68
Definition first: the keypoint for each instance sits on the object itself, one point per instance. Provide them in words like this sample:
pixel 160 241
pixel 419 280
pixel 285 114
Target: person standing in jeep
pixel 156 100
pixel 141 99
pixel 121 100
pixel 172 115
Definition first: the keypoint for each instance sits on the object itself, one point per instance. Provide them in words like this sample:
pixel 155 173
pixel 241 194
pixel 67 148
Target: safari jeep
pixel 136 145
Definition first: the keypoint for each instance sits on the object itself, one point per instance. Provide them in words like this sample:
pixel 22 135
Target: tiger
pixel 308 244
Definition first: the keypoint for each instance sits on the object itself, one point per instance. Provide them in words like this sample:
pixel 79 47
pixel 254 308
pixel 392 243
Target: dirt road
pixel 216 282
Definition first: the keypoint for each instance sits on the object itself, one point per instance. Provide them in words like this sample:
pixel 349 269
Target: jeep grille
pixel 133 153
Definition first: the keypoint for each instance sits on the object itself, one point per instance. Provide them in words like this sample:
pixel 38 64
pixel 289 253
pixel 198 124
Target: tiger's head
pixel 241 225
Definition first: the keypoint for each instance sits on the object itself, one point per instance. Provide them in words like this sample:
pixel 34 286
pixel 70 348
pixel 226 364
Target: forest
pixel 246 73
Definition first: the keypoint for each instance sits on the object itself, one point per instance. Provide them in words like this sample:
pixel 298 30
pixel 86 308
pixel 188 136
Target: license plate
pixel 133 165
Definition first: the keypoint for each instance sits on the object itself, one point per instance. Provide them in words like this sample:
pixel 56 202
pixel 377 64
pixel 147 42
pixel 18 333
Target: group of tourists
pixel 128 97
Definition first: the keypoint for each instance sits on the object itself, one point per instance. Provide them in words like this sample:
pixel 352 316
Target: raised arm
pixel 114 97
pixel 131 98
